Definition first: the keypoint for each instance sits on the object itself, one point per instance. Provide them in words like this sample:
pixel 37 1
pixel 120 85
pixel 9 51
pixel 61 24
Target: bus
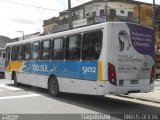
pixel 2 63
pixel 103 59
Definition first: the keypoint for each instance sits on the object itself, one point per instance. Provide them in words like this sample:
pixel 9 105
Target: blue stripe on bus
pixel 70 69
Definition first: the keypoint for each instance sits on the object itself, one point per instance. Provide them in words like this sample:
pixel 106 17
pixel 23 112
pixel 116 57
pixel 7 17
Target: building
pixel 49 24
pixel 28 36
pixel 98 11
pixel 145 13
pixel 93 12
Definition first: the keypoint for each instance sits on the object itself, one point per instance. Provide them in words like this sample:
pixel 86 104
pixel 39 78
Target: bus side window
pixel 14 53
pixel 27 53
pixel 20 52
pixel 7 60
pixel 92 45
pixel 58 49
pixel 8 51
pixel 46 46
pixel 36 51
pixel 73 47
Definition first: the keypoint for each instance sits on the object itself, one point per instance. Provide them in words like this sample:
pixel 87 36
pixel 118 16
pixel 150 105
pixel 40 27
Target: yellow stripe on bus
pixel 15 65
pixel 99 70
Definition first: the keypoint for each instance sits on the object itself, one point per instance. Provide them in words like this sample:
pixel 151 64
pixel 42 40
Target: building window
pixel 112 12
pixel 102 12
pixel 92 45
pixel 46 46
pixel 94 14
pixel 87 14
pixel 130 14
pixel 122 11
pixel 73 47
pixel 35 50
pixel 58 49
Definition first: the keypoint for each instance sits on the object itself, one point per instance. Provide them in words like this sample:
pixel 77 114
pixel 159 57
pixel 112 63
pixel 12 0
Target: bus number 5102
pixel 88 70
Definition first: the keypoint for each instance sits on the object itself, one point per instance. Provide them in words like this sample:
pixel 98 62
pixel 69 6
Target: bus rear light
pixel 153 74
pixel 112 74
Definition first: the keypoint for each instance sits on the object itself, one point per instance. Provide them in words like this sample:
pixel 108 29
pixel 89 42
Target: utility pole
pixel 154 19
pixel 70 14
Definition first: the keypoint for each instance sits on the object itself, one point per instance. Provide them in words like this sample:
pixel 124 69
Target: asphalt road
pixel 32 100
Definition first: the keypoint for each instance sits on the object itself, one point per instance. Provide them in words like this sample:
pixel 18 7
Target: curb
pixel 138 98
pixel 157 80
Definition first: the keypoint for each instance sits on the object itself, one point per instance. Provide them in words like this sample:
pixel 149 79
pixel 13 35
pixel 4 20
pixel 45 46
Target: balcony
pixel 101 19
pixel 66 20
pixel 63 24
pixel 123 19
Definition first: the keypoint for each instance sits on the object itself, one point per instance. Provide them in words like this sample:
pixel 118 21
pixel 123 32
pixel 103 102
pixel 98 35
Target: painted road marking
pixel 9 87
pixel 19 96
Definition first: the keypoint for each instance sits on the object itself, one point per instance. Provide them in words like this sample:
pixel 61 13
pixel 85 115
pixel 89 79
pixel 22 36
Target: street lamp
pixel 22 32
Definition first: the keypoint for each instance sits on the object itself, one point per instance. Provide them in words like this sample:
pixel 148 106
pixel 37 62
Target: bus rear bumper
pixel 116 90
pixel 135 89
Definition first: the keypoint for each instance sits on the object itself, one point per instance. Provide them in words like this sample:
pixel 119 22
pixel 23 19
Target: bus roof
pixel 63 33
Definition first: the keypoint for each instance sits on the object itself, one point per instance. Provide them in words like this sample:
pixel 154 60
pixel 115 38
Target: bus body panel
pixel 131 51
pixel 31 73
pixel 91 76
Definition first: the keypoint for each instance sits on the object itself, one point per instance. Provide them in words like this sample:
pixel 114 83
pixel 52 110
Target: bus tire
pixel 14 77
pixel 53 87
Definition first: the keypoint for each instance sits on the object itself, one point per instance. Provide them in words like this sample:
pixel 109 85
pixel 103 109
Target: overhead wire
pixel 33 6
pixel 39 8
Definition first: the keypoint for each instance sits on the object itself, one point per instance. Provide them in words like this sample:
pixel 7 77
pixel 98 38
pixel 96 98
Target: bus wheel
pixel 53 87
pixel 14 77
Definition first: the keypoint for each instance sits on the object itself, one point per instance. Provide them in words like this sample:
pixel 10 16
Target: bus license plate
pixel 134 81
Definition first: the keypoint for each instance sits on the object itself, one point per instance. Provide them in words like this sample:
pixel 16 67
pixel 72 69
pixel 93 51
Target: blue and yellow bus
pixel 103 59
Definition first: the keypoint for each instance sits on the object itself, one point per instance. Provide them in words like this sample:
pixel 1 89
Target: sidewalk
pixel 151 96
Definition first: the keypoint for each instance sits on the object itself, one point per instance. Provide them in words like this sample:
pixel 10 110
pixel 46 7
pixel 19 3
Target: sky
pixel 28 15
